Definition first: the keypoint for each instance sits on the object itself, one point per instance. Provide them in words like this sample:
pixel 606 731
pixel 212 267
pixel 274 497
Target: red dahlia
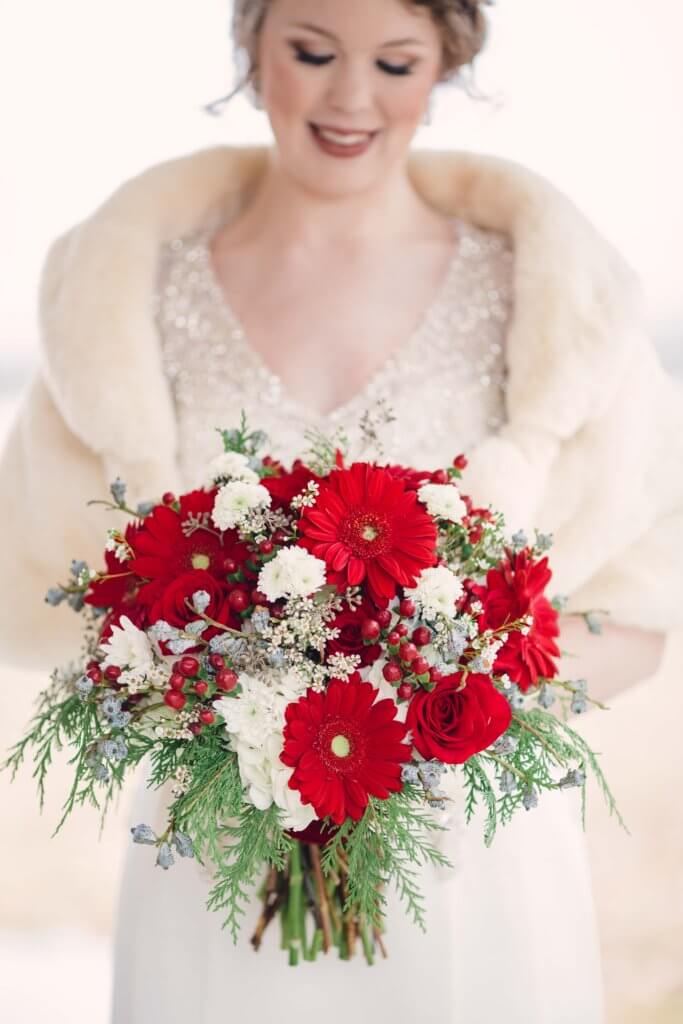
pixel 366 525
pixel 343 748
pixel 511 592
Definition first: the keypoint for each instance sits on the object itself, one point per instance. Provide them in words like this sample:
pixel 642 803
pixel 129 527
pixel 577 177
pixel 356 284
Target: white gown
pixel 511 931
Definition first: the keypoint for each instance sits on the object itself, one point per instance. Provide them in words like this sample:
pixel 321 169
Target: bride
pixel 439 301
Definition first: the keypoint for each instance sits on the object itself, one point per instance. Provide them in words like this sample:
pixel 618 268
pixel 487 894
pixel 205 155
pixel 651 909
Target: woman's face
pixel 365 66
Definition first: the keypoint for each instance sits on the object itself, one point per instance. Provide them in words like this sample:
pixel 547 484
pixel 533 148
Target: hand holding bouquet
pixel 304 653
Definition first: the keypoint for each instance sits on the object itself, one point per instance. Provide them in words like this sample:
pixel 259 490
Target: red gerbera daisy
pixel 366 525
pixel 344 748
pixel 170 544
pixel 511 592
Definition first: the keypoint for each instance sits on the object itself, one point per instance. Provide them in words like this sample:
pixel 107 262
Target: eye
pixel 395 69
pixel 311 58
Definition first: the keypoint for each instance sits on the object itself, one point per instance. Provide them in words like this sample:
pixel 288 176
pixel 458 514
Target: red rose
pixel 451 724
pixel 350 640
pixel 171 606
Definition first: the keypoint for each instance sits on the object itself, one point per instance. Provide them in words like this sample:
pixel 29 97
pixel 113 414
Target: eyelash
pixel 310 58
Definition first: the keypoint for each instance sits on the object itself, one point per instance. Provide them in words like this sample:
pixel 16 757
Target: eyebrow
pixel 330 35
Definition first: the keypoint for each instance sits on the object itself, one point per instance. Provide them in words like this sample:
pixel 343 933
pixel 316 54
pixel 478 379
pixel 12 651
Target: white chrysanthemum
pixel 294 572
pixel 128 647
pixel 231 465
pixel 437 590
pixel 443 501
pixel 235 500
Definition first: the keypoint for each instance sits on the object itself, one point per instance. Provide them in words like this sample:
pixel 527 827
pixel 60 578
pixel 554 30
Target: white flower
pixel 386 690
pixel 443 501
pixel 294 572
pixel 232 465
pixel 235 500
pixel 128 647
pixel 437 590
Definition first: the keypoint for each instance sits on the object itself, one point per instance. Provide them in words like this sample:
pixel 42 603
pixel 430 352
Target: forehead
pixel 363 24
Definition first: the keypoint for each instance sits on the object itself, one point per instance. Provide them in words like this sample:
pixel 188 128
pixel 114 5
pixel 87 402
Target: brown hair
pixel 462 23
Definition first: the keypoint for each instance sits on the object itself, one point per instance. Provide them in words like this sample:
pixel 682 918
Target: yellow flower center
pixel 340 746
pixel 200 561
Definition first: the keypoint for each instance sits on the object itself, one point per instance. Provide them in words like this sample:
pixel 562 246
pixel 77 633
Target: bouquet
pixel 305 654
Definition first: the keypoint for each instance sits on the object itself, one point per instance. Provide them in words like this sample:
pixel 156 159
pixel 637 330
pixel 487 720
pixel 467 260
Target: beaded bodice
pixel 440 393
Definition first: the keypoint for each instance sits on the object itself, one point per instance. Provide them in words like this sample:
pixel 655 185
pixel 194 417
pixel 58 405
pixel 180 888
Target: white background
pixel 91 91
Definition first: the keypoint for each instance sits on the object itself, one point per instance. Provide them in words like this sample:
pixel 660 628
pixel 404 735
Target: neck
pixel 290 214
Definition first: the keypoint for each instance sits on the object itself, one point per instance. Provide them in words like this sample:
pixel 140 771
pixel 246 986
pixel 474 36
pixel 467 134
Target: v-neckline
pixel 431 313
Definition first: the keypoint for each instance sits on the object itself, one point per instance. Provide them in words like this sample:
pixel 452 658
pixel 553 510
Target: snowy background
pixel 590 95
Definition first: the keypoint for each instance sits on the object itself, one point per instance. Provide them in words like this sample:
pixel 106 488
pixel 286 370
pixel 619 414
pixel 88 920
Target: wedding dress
pixel 511 930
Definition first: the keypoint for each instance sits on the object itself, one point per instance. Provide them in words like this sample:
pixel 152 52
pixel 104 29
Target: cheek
pixel 406 105
pixel 287 91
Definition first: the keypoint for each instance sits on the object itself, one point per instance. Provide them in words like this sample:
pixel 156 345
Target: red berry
pixel 475 535
pixel 94 675
pixel 174 699
pixel 168 498
pixel 93 664
pixel 439 476
pixel 201 687
pixel 238 600
pixel 420 666
pixel 460 462
pixel 279 537
pixel 229 566
pixel 216 661
pixel 402 629
pixel 112 672
pixel 405 691
pixel 258 597
pixel 176 682
pixel 207 717
pixel 370 629
pixel 384 618
pixel 421 636
pixel 435 674
pixel 266 547
pixel 277 612
pixel 195 728
pixel 406 608
pixel 407 652
pixel 188 666
pixel 394 638
pixel 226 679
pixel 392 672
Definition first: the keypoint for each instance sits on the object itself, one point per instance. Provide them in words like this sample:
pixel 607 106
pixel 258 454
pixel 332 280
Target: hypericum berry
pixel 439 476
pixel 201 687
pixel 226 679
pixel 392 672
pixel 476 534
pixel 188 666
pixel 168 498
pixel 435 674
pixel 384 618
pixel 420 666
pixel 406 608
pixel 258 597
pixel 460 461
pixel 207 717
pixel 177 681
pixel 95 675
pixel 238 600
pixel 112 672
pixel 279 537
pixel 229 566
pixel 217 661
pixel 277 612
pixel 195 728
pixel 402 629
pixel 175 700
pixel 405 691
pixel 421 636
pixel 407 652
pixel 370 629
pixel 394 638
pixel 266 547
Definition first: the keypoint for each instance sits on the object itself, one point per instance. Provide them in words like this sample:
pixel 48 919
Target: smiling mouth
pixel 341 136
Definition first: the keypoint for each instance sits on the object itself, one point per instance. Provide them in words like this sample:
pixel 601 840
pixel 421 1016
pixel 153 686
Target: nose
pixel 350 88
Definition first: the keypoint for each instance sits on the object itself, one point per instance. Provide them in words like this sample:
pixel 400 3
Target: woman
pixel 467 297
